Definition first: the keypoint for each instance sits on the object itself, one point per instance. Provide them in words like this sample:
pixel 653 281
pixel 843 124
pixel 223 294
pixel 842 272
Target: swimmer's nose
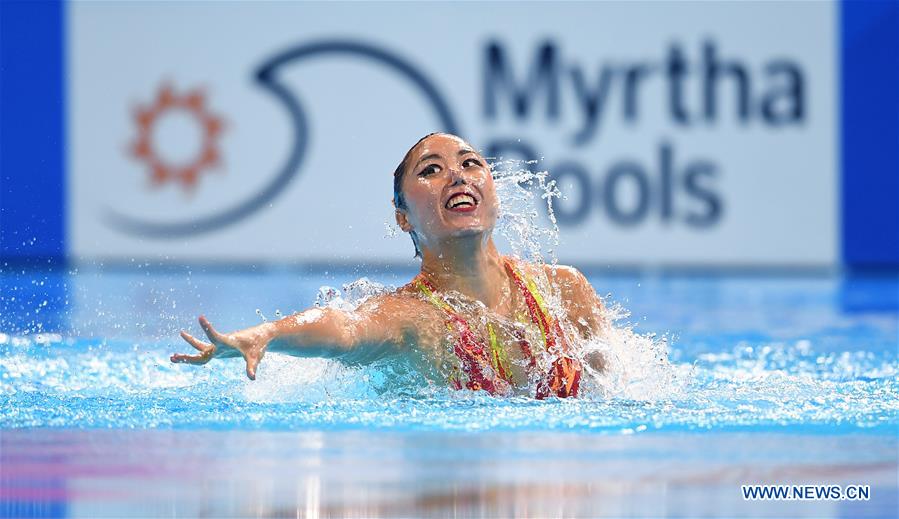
pixel 457 177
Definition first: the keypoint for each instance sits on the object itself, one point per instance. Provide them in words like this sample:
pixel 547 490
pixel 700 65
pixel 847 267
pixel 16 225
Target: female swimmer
pixel 482 321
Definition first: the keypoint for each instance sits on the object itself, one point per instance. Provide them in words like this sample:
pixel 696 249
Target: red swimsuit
pixel 482 363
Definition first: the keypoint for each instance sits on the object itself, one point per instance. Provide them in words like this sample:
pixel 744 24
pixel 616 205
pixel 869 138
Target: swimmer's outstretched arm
pixel 361 335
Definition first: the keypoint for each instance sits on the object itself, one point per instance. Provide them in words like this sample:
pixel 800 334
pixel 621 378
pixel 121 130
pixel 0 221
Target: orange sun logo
pixel 168 103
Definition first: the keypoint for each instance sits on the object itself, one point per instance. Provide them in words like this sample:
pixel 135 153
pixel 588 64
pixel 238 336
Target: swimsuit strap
pixel 425 287
pixel 563 379
pixel 535 303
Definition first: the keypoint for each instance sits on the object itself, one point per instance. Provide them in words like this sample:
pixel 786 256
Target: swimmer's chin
pixel 469 225
pixel 471 232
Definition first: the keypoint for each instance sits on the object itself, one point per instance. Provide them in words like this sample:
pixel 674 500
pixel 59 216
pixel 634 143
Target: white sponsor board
pixel 681 133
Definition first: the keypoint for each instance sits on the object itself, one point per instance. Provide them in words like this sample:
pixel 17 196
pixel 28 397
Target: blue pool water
pixel 768 379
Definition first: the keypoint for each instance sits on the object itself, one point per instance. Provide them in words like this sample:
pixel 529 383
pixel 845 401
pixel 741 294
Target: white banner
pixel 681 133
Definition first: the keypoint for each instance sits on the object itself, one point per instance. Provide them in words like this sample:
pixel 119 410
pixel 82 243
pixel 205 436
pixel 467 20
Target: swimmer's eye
pixel 469 162
pixel 430 170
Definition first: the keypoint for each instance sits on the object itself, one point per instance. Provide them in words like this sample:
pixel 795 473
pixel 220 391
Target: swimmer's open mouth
pixel 462 202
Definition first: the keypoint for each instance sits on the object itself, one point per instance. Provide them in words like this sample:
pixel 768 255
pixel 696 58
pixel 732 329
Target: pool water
pixel 776 379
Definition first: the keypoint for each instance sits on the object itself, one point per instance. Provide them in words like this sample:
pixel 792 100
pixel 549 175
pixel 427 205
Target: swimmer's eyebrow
pixel 427 157
pixel 461 152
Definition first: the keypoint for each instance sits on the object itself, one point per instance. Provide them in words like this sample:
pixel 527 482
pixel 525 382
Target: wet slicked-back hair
pixel 398 200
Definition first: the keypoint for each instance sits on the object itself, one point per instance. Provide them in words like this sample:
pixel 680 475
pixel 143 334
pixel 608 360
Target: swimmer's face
pixel 449 191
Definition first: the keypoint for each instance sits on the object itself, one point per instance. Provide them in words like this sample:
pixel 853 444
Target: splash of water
pixel 351 295
pixel 56 382
pixel 521 193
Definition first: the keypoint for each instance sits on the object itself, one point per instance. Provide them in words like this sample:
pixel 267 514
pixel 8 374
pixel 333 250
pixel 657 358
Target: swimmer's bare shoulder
pixel 583 307
pixel 397 320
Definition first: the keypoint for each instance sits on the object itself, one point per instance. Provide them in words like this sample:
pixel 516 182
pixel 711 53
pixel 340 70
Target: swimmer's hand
pixel 249 343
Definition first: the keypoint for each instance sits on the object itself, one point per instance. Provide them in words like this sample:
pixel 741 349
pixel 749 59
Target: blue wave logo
pixel 267 78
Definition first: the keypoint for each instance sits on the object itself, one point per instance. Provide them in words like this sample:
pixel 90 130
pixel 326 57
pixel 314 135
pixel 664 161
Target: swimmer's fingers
pixel 252 364
pixel 214 336
pixel 206 351
pixel 183 358
pixel 196 343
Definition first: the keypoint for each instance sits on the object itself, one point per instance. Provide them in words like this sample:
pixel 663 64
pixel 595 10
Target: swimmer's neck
pixel 471 267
